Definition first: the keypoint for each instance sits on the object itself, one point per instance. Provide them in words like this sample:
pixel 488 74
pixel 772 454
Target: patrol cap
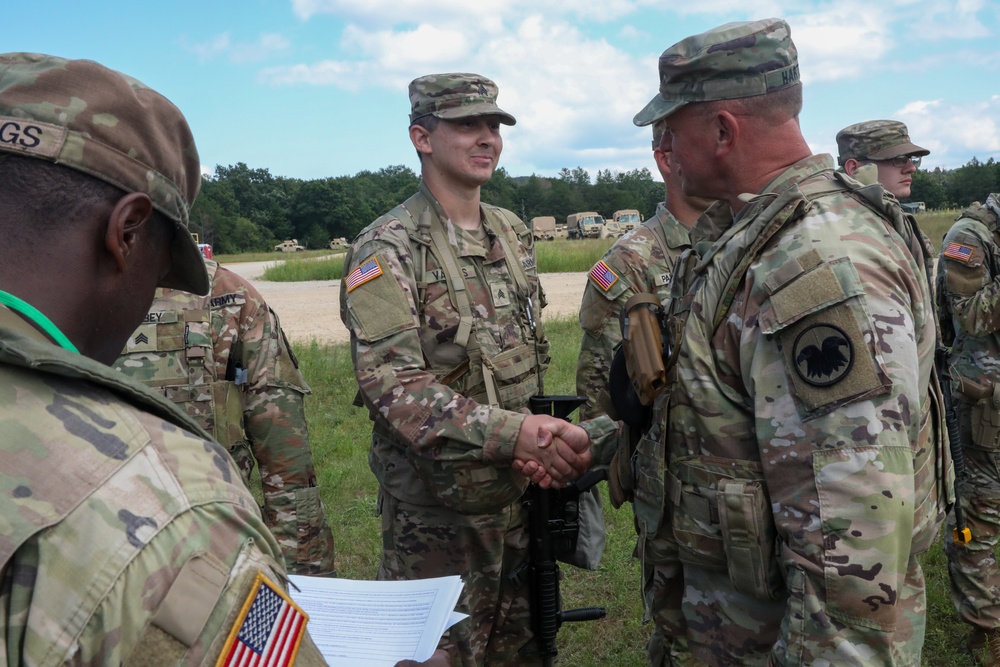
pixel 455 95
pixel 735 60
pixel 875 140
pixel 82 115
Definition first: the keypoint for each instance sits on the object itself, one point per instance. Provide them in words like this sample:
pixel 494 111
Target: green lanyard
pixel 38 319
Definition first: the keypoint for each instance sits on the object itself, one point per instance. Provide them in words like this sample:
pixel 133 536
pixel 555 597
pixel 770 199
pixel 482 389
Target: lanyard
pixel 38 319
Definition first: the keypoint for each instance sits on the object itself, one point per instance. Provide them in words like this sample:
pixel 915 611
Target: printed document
pixel 377 623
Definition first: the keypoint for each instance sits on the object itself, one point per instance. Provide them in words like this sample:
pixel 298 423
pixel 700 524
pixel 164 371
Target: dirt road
pixel 311 309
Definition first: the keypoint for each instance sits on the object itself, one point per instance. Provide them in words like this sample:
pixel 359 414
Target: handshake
pixel 550 451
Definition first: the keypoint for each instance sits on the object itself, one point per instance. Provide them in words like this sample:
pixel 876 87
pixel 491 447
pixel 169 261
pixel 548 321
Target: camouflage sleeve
pixel 837 362
pixel 971 291
pixel 379 308
pixel 275 423
pixel 179 543
pixel 610 284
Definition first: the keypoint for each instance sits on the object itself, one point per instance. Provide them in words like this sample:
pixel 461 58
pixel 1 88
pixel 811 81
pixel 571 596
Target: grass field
pixel 560 256
pixel 340 436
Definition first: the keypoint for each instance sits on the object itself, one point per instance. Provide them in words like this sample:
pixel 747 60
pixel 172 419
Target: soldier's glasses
pixel 900 161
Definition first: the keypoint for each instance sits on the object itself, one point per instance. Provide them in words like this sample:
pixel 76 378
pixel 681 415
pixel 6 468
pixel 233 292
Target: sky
pixel 313 89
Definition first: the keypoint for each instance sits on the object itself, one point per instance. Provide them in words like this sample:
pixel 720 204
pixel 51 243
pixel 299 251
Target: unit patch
pixel 603 275
pixel 366 271
pixel 267 631
pixel 959 251
pixel 823 355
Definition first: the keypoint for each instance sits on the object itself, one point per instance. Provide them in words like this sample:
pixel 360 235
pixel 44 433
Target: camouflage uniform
pixel 442 445
pixel 806 466
pixel 126 538
pixel 225 359
pixel 640 262
pixel 970 301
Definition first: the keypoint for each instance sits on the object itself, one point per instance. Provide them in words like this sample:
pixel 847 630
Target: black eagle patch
pixel 823 355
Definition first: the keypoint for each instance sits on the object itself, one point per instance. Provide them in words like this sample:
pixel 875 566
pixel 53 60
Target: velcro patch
pixel 368 270
pixel 958 251
pixel 267 631
pixel 603 275
pixel 143 339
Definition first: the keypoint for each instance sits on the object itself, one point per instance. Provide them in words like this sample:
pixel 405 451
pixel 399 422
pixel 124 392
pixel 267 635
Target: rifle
pixel 553 530
pixel 961 533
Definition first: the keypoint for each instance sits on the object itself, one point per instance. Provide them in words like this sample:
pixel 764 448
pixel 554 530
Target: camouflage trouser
pixel 972 568
pixel 421 542
pixel 662 591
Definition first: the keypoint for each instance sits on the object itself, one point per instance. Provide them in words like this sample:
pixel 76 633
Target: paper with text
pixel 377 623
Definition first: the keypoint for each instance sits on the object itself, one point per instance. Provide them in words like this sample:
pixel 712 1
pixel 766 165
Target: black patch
pixel 22 492
pixel 823 355
pixel 482 90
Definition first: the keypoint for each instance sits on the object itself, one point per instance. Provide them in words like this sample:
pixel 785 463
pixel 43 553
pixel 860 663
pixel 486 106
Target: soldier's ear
pixel 127 217
pixel 851 166
pixel 420 137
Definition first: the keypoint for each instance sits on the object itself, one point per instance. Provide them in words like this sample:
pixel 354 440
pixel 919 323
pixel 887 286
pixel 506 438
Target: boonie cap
pixel 732 61
pixel 455 95
pixel 876 140
pixel 82 115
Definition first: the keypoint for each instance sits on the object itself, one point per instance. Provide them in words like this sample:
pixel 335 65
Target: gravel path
pixel 311 310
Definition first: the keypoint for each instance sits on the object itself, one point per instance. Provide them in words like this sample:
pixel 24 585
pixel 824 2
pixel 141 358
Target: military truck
pixel 291 245
pixel 627 218
pixel 611 230
pixel 586 225
pixel 338 243
pixel 543 228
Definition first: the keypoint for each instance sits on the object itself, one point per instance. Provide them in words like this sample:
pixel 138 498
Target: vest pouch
pixel 986 421
pixel 228 412
pixel 469 487
pixel 515 375
pixel 648 466
pixel 721 505
pixel 748 537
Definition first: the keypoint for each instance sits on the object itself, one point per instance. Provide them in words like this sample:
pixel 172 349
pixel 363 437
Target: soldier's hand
pixel 551 451
pixel 439 659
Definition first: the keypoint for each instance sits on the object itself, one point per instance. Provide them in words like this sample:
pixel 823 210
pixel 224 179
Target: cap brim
pixel 187 270
pixel 897 150
pixel 656 109
pixel 483 109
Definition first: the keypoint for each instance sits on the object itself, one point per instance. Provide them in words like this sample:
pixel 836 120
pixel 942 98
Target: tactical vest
pixel 489 375
pixel 722 513
pixel 175 355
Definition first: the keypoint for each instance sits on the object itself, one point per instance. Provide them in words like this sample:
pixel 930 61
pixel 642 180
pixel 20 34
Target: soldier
pixel 806 466
pixel 640 262
pixel 127 538
pixel 886 144
pixel 444 308
pixel 970 320
pixel 224 358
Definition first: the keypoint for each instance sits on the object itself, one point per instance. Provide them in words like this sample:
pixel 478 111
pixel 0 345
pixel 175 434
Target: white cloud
pixel 954 132
pixel 267 45
pixel 211 48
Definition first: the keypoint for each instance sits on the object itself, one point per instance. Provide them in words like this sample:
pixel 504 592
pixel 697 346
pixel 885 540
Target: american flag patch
pixel 268 630
pixel 603 275
pixel 368 270
pixel 962 253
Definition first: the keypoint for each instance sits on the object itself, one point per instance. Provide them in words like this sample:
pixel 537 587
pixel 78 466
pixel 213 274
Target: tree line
pixel 241 209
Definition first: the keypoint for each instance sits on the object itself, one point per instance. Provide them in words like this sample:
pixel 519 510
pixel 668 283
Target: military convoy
pixel 291 245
